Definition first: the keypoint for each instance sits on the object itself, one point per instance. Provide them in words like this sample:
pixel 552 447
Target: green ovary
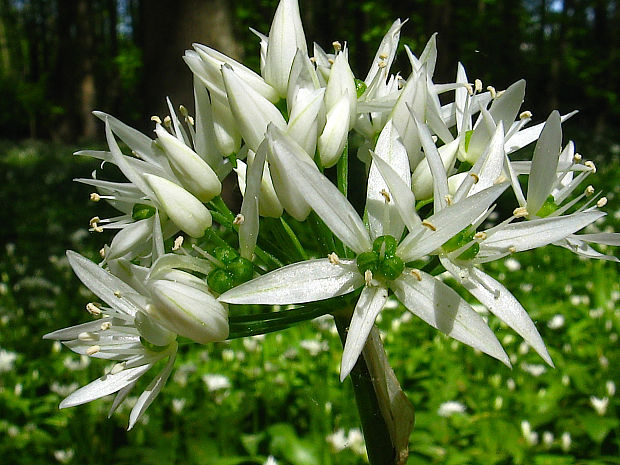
pixel 382 261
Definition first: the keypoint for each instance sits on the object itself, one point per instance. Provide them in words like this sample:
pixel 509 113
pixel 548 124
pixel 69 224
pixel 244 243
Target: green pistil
pixel 236 270
pixel 360 87
pixel 547 208
pixel 141 211
pixel 461 239
pixel 382 261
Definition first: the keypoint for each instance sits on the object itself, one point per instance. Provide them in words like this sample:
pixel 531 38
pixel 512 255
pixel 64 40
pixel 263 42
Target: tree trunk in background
pixel 170 28
pixel 87 90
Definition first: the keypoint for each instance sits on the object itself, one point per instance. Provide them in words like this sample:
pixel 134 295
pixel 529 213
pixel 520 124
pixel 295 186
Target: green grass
pixel 284 397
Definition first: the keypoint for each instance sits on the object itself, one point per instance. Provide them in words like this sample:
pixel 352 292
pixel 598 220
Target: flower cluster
pixel 181 259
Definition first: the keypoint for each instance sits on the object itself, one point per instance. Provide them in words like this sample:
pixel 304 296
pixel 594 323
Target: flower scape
pixel 182 266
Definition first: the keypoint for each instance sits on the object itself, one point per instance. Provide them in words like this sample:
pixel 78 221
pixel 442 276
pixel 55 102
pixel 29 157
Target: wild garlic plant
pixel 184 266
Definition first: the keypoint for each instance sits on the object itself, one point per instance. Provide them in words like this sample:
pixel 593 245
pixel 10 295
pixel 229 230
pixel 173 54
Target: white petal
pixel 490 165
pixel 303 121
pixel 370 303
pixel 544 163
pixel 501 303
pixel 334 136
pixel 422 181
pixel 301 282
pixel 158 238
pixel 601 238
pixel 535 233
pixel 385 53
pixel 204 140
pixel 132 238
pixel 442 308
pixel 73 332
pixel 325 198
pixel 447 223
pixel 248 230
pixel 107 384
pixel 529 135
pixel 505 108
pixel 103 284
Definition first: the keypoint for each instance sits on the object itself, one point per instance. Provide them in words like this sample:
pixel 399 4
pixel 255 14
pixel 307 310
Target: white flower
pixel 271 461
pixel 556 322
pixel 610 387
pixel 565 441
pixel 337 440
pixel 534 370
pixel 531 437
pixel 599 405
pixel 314 347
pixel 215 382
pixel 64 455
pixel 548 438
pixel 7 360
pixel 447 409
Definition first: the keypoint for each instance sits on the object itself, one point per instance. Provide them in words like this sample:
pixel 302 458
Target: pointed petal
pixel 529 135
pixel 601 238
pixel 248 230
pixel 370 303
pixel 72 332
pixel 544 163
pixel 442 308
pixel 103 284
pixel 325 198
pixel 107 384
pixel 301 282
pixel 505 108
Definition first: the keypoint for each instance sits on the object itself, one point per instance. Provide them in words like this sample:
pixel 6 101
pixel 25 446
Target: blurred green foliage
pixel 239 402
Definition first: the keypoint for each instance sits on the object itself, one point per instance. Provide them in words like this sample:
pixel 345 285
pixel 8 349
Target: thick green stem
pixel 378 443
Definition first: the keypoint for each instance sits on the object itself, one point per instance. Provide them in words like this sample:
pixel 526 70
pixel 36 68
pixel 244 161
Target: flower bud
pixel 303 121
pixel 195 174
pixel 342 82
pixel 268 203
pixel 131 237
pixel 227 136
pixel 422 179
pixel 185 210
pixel 334 135
pixel 188 310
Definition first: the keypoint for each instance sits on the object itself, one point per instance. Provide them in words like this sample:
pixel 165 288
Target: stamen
pixel 183 111
pixel 383 56
pixel 190 120
pixel 500 93
pixel 334 259
pixel 416 273
pixel 368 277
pixel 178 242
pixel 337 46
pixel 92 350
pixel 500 179
pixel 470 89
pixel 601 202
pixel 102 252
pixel 118 368
pixel 448 198
pixel 475 176
pixel 480 236
pixel 117 294
pixel 492 91
pixel 88 336
pixel 330 61
pixel 93 224
pixel 156 119
pixel 382 64
pixel 386 195
pixel 239 219
pixel 591 165
pixel 577 157
pixel 106 325
pixel 313 59
pixel 520 212
pixel 95 197
pixel 589 191
pixel 478 85
pixel 168 122
pixel 135 154
pixel 525 114
pixel 93 308
pixel 429 225
pixel 512 249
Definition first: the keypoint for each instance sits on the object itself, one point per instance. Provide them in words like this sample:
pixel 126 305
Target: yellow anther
pixel 429 225
pixel 448 198
pixel 416 273
pixel 601 202
pixel 512 249
pixel 368 277
pixel 577 157
pixel 183 110
pixel 190 120
pixel 525 114
pixel 333 258
pixel 118 368
pixel 156 119
pixel 95 197
pixel 500 179
pixel 88 336
pixel 520 212
pixel 330 61
pixel 239 219
pixel 178 242
pixel 117 294
pixel 106 325
pixel 591 165
pixel 475 176
pixel 135 154
pixel 382 64
pixel 478 85
pixel 92 350
pixel 93 308
pixel 383 56
pixel 93 224
pixel 167 121
pixel 337 46
pixel 313 59
pixel 492 91
pixel 470 89
pixel 386 195
pixel 589 191
pixel 480 236
pixel 102 252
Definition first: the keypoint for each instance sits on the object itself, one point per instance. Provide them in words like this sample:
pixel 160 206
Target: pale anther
pixel 167 121
pixel 333 258
pixel 429 225
pixel 577 157
pixel 92 350
pixel 383 56
pixel 178 242
pixel 93 224
pixel 156 119
pixel 368 277
pixel 480 236
pixel 512 249
pixel 95 197
pixel 386 195
pixel 93 308
pixel 601 202
pixel 478 85
pixel 525 114
pixel 416 273
pixel 313 59
pixel 106 325
pixel 475 176
pixel 183 111
pixel 382 64
pixel 239 219
pixel 117 368
pixel 102 252
pixel 589 191
pixel 520 212
pixel 470 89
pixel 591 165
pixel 500 179
pixel 190 120
pixel 135 154
pixel 88 336
pixel 337 45
pixel 492 91
pixel 448 198
pixel 330 61
pixel 117 294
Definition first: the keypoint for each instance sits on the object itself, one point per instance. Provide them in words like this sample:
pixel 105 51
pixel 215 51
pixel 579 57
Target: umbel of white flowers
pixel 434 174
